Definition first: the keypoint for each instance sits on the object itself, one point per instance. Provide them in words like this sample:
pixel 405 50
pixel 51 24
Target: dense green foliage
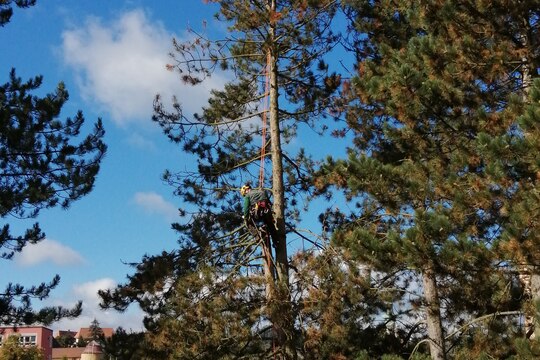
pixel 64 341
pixel 96 332
pixel 11 349
pixel 444 114
pixel 126 346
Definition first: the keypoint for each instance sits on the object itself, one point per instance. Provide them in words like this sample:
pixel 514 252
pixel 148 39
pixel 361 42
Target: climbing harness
pixel 261 209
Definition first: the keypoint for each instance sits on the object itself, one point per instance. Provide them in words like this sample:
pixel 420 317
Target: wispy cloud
pixel 141 142
pixel 89 290
pixel 155 204
pixel 48 251
pixel 88 294
pixel 121 66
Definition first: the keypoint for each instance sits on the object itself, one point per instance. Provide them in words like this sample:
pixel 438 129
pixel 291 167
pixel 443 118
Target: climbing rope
pixel 264 119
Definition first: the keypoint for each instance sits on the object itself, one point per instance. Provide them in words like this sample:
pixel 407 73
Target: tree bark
pixel 282 314
pixel 528 276
pixel 433 314
pixel 278 187
pixel 535 290
pixel 268 268
pixel 525 277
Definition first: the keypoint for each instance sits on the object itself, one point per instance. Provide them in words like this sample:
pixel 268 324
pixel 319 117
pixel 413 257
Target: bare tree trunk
pixel 535 290
pixel 433 315
pixel 282 314
pixel 278 187
pixel 528 277
pixel 268 268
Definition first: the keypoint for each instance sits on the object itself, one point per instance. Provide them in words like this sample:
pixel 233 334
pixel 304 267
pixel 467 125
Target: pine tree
pixel 96 332
pixel 42 166
pixel 217 253
pixel 439 162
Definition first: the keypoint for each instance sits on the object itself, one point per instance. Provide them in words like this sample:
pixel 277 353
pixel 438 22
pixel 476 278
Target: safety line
pixel 264 119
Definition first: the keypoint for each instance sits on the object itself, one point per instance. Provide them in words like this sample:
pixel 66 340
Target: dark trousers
pixel 262 219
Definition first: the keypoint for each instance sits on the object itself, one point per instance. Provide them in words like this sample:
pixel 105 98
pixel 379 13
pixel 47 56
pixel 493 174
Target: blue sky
pixel 111 55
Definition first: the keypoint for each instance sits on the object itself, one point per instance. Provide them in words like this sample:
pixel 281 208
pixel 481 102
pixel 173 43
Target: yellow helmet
pixel 244 189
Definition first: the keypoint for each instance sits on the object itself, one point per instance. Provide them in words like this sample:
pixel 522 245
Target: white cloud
pixel 48 251
pixel 89 290
pixel 141 142
pixel 155 204
pixel 88 294
pixel 121 67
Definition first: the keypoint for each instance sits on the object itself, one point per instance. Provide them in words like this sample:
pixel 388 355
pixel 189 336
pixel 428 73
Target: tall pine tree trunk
pixel 268 268
pixel 433 314
pixel 528 277
pixel 535 290
pixel 525 275
pixel 282 311
pixel 277 176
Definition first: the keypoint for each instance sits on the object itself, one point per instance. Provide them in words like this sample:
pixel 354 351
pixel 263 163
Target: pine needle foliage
pixel 217 257
pixel 442 162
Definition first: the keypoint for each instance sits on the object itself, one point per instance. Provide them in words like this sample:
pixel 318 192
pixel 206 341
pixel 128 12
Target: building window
pixel 28 340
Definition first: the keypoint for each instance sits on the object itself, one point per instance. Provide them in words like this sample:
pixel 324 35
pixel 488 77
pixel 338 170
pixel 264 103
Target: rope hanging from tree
pixel 264 119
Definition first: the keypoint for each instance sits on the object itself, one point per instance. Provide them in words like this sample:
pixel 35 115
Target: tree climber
pixel 257 209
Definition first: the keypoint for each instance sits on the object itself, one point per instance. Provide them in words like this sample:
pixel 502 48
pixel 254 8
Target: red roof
pixel 65 333
pixel 85 333
pixel 67 353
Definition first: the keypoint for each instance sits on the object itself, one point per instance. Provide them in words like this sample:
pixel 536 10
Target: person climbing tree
pixel 257 210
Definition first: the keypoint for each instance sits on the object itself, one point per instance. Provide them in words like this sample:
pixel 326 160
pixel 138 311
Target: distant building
pixel 86 333
pixel 38 336
pixel 65 333
pixel 73 353
pixel 92 351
